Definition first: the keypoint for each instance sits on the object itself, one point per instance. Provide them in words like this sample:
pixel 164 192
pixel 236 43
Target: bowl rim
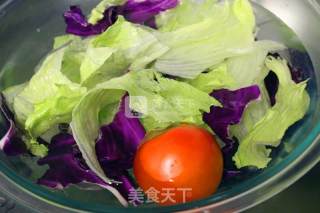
pixel 301 160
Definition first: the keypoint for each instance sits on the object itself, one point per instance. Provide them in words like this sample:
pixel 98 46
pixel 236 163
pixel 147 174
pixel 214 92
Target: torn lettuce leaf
pixel 292 103
pixel 165 101
pixel 124 46
pixel 234 103
pixel 192 11
pixel 36 148
pixel 244 12
pixel 94 59
pixel 199 46
pixel 55 110
pixel 215 79
pixel 188 12
pixel 73 58
pixel 41 86
pixel 10 94
pixel 109 151
pixel 97 13
pixel 252 114
pixel 248 68
pixel 62 40
pixel 86 123
pixel 49 97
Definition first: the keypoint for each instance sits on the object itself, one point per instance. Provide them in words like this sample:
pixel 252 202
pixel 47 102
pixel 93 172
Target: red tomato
pixel 180 165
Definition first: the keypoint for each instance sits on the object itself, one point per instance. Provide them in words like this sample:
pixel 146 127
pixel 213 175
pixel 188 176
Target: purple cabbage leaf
pixel 66 167
pixel 77 23
pixel 141 12
pixel 234 103
pixel 115 149
pixel 144 11
pixel 11 144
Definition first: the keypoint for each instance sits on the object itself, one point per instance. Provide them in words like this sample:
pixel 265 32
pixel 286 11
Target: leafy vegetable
pixel 86 123
pixel 11 144
pixel 118 142
pixel 168 101
pixel 41 86
pixel 234 104
pixel 123 46
pixel 164 101
pixel 142 66
pixel 53 111
pixel 36 148
pixel 292 102
pixel 106 13
pixel 144 11
pixel 215 79
pixel 78 25
pixel 73 57
pixel 248 68
pixel 10 93
pixel 188 12
pixel 199 46
pixel 244 12
pixel 49 97
pixel 252 114
pixel 97 13
pixel 66 167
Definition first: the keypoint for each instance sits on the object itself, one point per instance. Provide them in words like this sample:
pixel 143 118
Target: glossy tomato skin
pixel 184 162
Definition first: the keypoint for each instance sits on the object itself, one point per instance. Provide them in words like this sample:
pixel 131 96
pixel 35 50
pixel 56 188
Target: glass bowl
pixel 26 32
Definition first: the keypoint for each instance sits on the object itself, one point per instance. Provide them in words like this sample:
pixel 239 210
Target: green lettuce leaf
pixel 86 123
pixel 63 40
pixel 252 114
pixel 41 86
pixel 49 97
pixel 55 110
pixel 35 148
pixel 161 100
pixel 11 92
pixel 98 12
pixel 248 68
pixel 73 57
pixel 292 102
pixel 123 46
pixel 244 12
pixel 199 46
pixel 216 78
pixel 188 12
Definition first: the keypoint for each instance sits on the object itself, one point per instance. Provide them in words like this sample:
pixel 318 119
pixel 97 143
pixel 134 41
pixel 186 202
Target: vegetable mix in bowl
pixel 155 101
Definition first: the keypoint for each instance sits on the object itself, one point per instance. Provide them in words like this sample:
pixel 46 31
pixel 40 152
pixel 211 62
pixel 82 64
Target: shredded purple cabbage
pixel 11 144
pixel 115 148
pixel 117 145
pixel 144 11
pixel 77 23
pixel 234 104
pixel 141 12
pixel 66 165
